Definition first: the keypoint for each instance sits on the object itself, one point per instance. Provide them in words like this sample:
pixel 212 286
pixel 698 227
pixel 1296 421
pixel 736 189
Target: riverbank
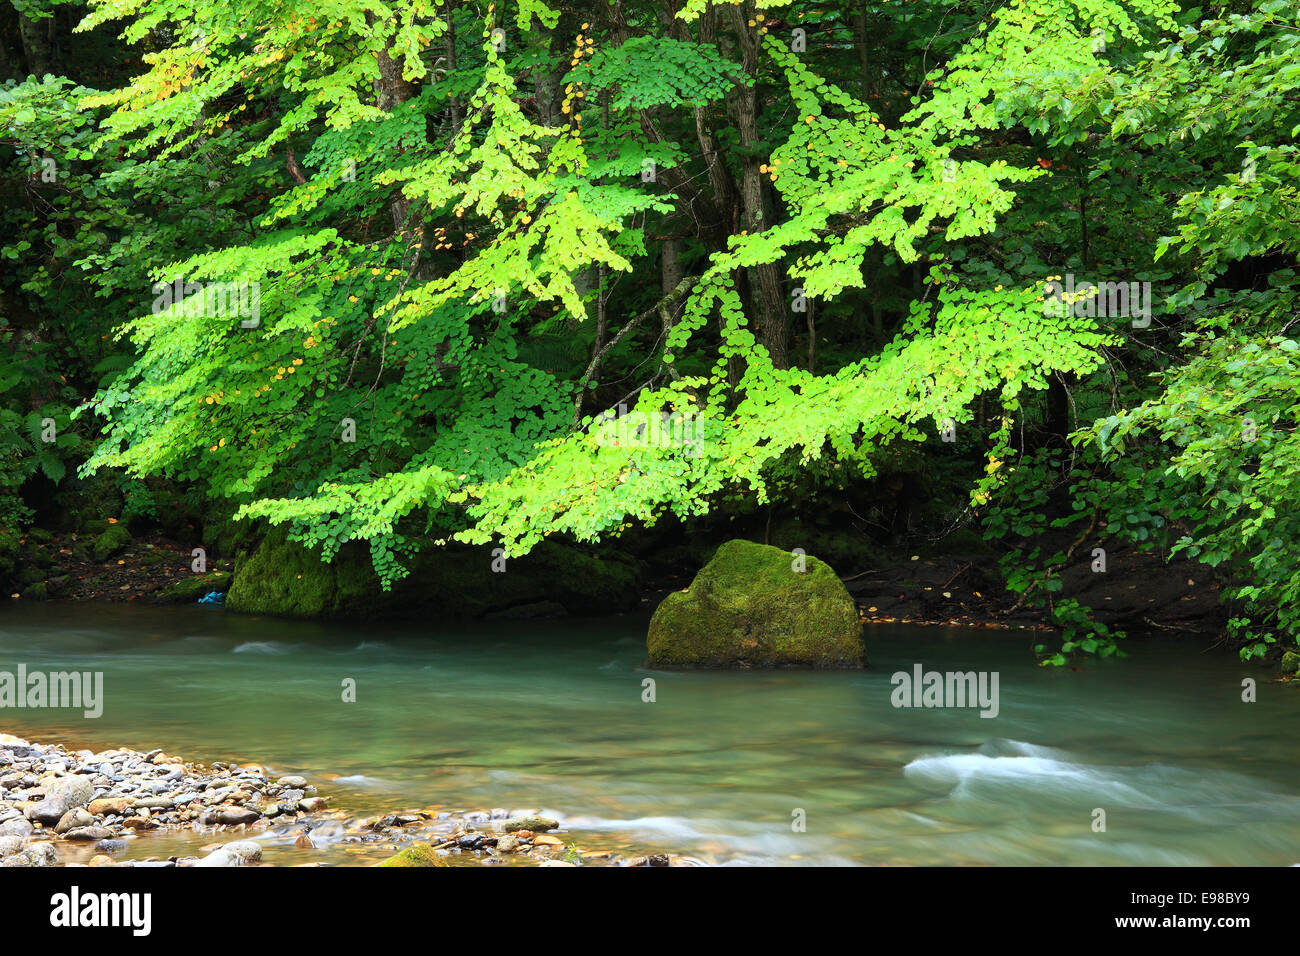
pixel 1138 591
pixel 107 808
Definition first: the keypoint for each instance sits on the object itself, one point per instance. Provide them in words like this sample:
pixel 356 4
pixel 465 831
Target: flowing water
pixel 550 715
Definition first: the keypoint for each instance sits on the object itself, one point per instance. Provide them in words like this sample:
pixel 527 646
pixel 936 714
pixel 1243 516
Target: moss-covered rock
pixel 226 537
pixel 283 578
pixel 10 547
pixel 94 527
pixel 750 607
pixel 1291 662
pixel 418 854
pixel 28 576
pixel 37 552
pixel 192 587
pixel 112 542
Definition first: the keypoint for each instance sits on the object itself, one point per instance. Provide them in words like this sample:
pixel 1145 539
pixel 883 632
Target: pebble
pixel 9 845
pixel 530 823
pixel 61 796
pixel 16 826
pixel 73 820
pixel 240 853
pixel 109 798
pixel 89 833
pixel 233 817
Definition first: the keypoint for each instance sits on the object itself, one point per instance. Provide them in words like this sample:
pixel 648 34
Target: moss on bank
pixel 283 578
pixel 111 542
pixel 189 589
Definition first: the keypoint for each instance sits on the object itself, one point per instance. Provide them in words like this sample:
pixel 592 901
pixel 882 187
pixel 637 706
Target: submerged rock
pixel 751 607
pixel 239 853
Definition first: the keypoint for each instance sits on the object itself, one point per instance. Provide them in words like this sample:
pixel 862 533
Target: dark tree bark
pixel 767 303
pixel 38 50
pixel 391 90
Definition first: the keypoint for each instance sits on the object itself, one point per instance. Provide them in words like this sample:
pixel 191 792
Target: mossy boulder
pixel 225 536
pixel 750 607
pixel 10 548
pixel 111 543
pixel 94 527
pixel 192 587
pixel 28 576
pixel 1291 662
pixel 418 854
pixel 38 549
pixel 284 578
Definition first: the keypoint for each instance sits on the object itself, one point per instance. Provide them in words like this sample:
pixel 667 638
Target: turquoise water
pixel 550 715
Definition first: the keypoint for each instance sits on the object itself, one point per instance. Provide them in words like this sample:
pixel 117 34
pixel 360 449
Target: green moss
pixel 227 537
pixel 749 607
pixel 419 854
pixel 192 587
pixel 30 576
pixel 95 527
pixel 1291 662
pixel 10 546
pixel 112 542
pixel 283 578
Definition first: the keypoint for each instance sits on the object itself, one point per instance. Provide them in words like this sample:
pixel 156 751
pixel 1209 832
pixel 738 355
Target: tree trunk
pixel 768 305
pixel 670 267
pixel 391 90
pixel 37 48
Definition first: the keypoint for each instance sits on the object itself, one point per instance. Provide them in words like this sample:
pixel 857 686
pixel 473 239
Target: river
pixel 551 715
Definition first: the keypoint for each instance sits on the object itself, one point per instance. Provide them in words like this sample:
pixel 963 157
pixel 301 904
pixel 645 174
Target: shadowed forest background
pixel 385 284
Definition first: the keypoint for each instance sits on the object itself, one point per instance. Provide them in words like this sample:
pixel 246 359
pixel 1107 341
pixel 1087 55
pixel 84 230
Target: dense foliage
pixel 407 272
